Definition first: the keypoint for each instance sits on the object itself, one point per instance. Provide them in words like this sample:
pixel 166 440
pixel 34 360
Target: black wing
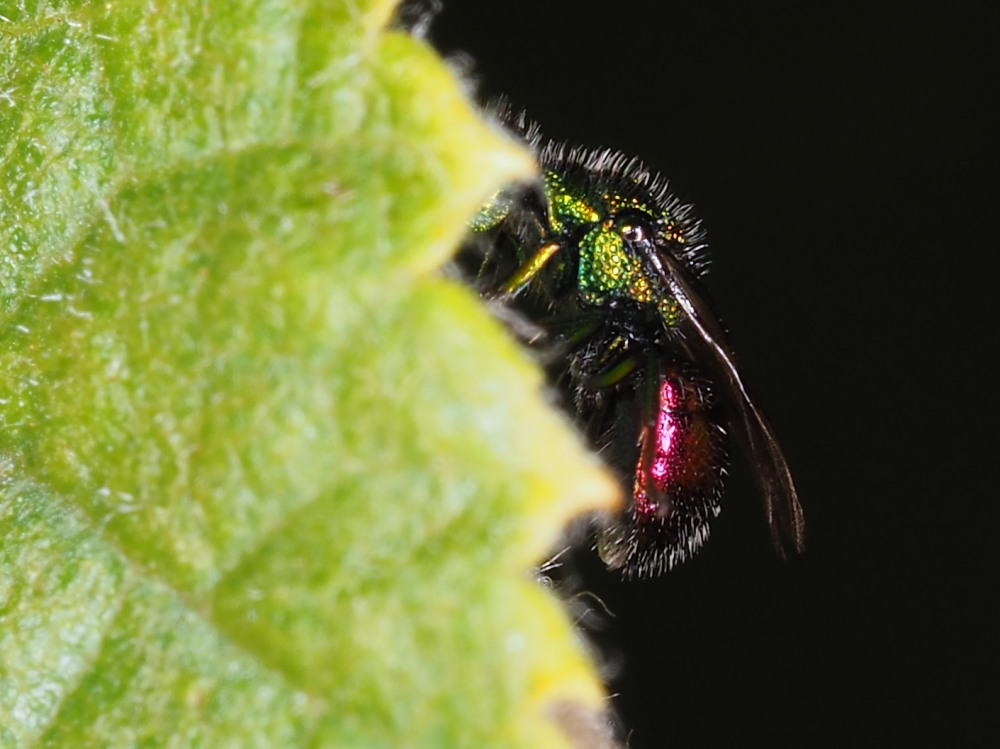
pixel 781 501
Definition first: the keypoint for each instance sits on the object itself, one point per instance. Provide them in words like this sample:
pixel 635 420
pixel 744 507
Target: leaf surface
pixel 269 478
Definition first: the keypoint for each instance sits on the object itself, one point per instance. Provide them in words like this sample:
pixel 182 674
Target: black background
pixel 844 161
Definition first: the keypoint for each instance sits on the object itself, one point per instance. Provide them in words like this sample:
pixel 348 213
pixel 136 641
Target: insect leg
pixel 527 271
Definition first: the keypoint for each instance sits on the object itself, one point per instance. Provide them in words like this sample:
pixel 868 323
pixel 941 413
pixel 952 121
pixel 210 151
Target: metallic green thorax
pixel 608 269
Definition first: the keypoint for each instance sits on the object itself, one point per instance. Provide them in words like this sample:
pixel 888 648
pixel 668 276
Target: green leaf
pixel 268 477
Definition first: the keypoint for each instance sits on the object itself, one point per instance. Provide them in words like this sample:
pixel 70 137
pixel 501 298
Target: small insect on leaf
pixel 603 265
